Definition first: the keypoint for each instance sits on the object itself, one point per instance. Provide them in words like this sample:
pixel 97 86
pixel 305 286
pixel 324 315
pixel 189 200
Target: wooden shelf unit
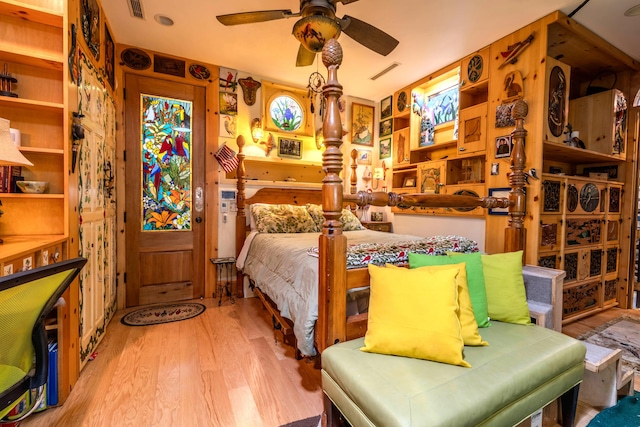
pixel 35 227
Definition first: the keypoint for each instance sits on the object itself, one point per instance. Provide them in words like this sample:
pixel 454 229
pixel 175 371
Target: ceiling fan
pixel 317 25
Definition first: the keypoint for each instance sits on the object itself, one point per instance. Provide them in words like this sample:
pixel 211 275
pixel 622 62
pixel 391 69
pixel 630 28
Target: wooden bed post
pixel 332 263
pixel 241 218
pixel 515 235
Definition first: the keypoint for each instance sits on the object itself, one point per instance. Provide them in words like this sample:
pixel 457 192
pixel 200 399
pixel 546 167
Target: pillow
pixel 468 325
pixel 506 295
pixel 316 213
pixel 413 313
pixel 475 279
pixel 282 219
pixel 349 221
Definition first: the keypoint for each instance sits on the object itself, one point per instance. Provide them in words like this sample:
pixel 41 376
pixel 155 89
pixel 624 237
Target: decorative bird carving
pixel 269 144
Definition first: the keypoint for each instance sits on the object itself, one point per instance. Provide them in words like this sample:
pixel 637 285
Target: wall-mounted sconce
pixel 256 130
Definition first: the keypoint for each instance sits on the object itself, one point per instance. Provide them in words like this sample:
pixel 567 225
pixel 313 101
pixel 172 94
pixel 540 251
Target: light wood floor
pixel 222 368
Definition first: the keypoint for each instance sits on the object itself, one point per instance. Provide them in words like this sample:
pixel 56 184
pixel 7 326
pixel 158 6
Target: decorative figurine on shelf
pixel 427 129
pixel 5 83
pixel 77 135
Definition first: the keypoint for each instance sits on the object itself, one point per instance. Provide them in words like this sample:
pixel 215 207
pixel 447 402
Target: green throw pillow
pixel 506 295
pixel 475 278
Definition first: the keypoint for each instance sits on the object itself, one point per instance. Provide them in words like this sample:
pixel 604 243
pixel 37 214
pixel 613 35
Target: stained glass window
pixel 286 113
pixel 166 163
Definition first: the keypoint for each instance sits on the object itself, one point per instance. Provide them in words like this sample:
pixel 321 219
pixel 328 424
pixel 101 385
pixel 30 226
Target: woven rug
pixel 164 313
pixel 622 332
pixel 624 413
pixel 307 422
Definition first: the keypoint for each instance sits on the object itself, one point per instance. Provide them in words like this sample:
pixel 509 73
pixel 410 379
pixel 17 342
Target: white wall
pixel 430 225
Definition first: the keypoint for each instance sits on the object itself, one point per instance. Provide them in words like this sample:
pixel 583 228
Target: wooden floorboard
pixel 222 368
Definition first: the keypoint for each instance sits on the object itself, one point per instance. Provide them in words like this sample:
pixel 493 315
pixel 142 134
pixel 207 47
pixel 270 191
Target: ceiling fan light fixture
pixel 633 11
pixel 314 30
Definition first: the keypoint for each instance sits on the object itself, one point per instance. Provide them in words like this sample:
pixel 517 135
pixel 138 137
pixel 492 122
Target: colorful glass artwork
pixel 286 113
pixel 166 163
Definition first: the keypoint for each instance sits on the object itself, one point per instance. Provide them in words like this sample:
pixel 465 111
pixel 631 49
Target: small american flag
pixel 227 158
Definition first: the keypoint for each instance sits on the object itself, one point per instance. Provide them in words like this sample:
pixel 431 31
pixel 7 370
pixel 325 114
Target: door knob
pixel 198 219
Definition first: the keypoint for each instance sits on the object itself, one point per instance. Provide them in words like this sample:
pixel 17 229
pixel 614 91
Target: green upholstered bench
pixel 523 369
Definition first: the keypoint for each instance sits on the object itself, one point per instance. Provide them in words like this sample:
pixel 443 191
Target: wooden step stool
pixel 604 377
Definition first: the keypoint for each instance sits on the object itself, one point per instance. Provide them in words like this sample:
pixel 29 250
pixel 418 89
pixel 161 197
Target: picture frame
pixel 364 157
pixel 503 146
pixel 385 148
pixel 290 148
pixel 444 105
pixel 499 192
pixel 386 127
pixel 386 107
pixel 362 124
pixel 409 181
pixel 109 57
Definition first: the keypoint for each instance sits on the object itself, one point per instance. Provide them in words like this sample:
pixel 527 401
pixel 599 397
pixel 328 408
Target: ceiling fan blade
pixel 368 35
pixel 346 1
pixel 251 17
pixel 305 57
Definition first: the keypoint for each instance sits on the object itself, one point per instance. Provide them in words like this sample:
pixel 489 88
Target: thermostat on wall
pixel 228 195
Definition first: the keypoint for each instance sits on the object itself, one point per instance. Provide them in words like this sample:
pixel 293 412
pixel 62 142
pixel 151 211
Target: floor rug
pixel 625 413
pixel 307 422
pixel 622 332
pixel 164 313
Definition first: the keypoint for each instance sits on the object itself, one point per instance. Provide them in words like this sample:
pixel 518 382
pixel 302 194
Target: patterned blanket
pixel 359 255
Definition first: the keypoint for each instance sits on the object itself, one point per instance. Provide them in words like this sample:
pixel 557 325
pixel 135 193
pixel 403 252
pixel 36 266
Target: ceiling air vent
pixel 385 71
pixel 135 8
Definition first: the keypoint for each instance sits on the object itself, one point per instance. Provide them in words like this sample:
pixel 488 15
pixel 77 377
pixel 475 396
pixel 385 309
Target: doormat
pixel 164 313
pixel 307 422
pixel 622 332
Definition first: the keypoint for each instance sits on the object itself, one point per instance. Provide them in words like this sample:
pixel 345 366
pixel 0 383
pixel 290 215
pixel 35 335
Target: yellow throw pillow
pixel 470 333
pixel 414 313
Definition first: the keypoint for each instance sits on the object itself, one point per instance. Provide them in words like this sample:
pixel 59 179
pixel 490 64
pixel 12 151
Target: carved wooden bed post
pixel 241 218
pixel 515 234
pixel 332 286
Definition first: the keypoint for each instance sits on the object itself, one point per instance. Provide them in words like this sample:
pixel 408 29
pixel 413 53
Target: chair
pixel 26 298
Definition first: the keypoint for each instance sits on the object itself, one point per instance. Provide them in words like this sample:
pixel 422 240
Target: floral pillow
pixel 282 219
pixel 349 221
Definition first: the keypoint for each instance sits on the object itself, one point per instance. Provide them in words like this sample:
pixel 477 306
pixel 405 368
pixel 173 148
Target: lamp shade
pixel 314 30
pixel 9 153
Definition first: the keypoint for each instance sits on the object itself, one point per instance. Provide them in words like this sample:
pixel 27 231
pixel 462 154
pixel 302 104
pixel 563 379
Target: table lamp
pixel 9 153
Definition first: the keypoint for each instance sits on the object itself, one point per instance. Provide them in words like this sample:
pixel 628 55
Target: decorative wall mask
pixel 249 89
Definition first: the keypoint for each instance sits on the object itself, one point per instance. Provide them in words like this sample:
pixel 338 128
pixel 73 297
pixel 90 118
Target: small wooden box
pixel 472 133
pixel 598 123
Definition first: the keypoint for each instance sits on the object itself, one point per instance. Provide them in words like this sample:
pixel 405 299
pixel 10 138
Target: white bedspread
pixel 281 267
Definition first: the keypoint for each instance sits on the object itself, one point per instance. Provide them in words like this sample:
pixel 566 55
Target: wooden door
pixel 165 216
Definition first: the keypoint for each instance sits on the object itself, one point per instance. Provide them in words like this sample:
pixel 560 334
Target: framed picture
pixel 109 57
pixel 386 108
pixel 386 127
pixel 364 157
pixel 503 146
pixel 385 148
pixel 289 147
pixel 362 124
pixel 499 192
pixel 409 181
pixel 444 105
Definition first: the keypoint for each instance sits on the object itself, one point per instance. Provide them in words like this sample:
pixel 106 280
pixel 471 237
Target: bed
pixel 330 279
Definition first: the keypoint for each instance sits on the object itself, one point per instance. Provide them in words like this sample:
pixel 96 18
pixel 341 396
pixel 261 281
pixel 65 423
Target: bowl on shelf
pixel 33 187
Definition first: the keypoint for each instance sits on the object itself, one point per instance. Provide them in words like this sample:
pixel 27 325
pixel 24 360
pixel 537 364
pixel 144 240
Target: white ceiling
pixel 432 34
